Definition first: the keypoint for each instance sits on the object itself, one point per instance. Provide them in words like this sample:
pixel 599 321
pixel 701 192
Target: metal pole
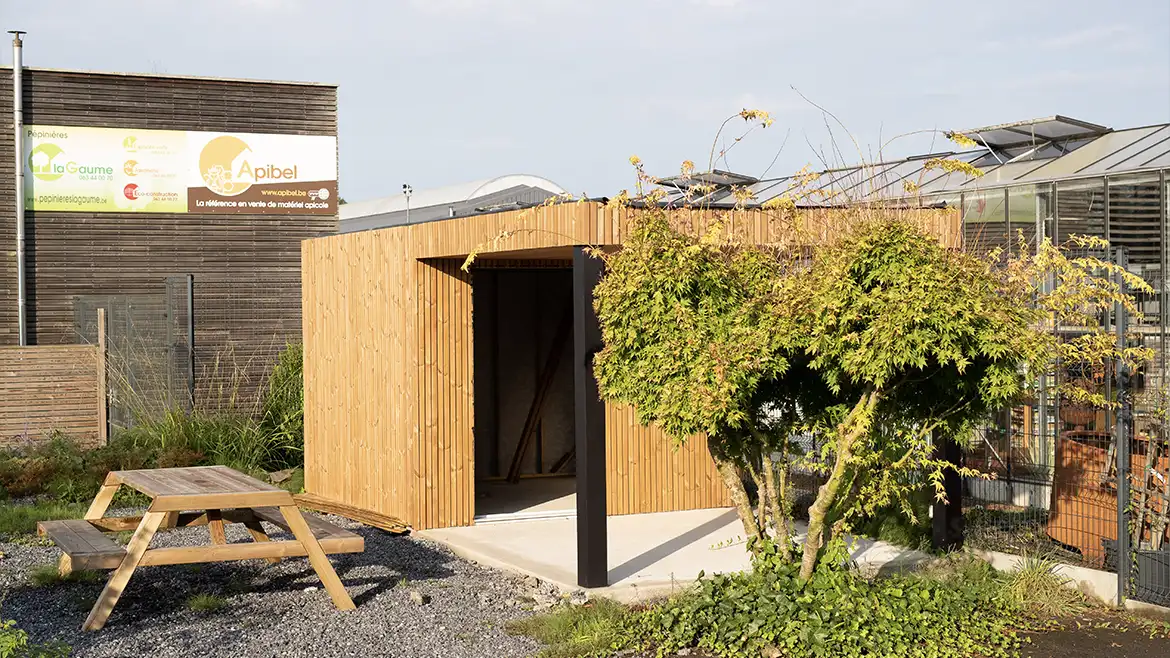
pixel 1042 393
pixel 18 150
pixel 592 534
pixel 1121 434
pixel 191 339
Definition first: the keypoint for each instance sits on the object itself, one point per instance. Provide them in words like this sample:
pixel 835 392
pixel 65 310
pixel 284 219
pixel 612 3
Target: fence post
pixel 102 382
pixel 947 517
pixel 1121 433
pixel 191 339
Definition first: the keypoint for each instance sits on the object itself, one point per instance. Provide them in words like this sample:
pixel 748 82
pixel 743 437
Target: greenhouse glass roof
pixel 1037 151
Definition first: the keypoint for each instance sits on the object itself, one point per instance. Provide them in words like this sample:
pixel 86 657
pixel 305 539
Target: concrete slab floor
pixel 650 555
pixel 528 496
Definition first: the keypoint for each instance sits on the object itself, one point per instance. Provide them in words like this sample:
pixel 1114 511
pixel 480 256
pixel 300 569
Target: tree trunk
pixel 773 502
pixel 848 432
pixel 731 478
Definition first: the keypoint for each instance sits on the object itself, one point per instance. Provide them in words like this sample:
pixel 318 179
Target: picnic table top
pixel 197 487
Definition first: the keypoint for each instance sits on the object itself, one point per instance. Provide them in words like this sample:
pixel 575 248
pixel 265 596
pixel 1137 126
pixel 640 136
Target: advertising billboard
pixel 80 169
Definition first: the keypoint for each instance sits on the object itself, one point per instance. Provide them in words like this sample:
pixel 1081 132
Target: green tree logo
pixel 40 161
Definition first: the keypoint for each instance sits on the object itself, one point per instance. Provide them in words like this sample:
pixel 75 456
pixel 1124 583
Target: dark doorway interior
pixel 523 376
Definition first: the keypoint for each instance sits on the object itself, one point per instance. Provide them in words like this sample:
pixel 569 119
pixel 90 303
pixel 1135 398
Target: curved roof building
pixel 489 195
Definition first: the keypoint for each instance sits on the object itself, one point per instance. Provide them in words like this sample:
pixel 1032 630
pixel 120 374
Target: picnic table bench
pixel 195 496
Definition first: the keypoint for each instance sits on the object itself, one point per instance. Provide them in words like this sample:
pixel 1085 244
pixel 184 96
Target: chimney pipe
pixel 18 130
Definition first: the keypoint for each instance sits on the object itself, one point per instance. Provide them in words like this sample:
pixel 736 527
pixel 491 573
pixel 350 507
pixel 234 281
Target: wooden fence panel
pixel 50 388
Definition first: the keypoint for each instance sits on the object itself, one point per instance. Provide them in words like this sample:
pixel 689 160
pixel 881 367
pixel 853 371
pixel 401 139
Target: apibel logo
pixel 226 170
pixel 130 167
pixel 41 161
pixel 130 143
pixel 131 191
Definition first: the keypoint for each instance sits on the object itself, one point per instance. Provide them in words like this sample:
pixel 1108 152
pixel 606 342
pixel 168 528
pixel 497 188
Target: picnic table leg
pixel 256 529
pixel 97 509
pixel 101 502
pixel 215 526
pixel 317 557
pixel 117 582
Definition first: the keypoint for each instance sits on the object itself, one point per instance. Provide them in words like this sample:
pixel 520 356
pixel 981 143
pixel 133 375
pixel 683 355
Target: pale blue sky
pixel 434 92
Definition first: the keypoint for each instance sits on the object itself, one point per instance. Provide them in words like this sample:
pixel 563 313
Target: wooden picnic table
pixel 200 495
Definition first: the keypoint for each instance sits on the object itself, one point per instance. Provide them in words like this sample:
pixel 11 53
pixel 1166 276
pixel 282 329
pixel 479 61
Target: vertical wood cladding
pixel 389 363
pixel 71 254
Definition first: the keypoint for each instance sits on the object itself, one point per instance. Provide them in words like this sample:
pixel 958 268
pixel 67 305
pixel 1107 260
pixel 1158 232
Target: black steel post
pixel 1121 436
pixel 191 340
pixel 947 517
pixel 592 539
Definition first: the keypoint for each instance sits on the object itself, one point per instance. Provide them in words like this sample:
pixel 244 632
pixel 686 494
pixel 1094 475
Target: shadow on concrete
pixel 646 559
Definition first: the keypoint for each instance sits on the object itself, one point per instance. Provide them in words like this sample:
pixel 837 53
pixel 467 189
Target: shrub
pixel 1037 586
pixel 14 643
pixel 835 613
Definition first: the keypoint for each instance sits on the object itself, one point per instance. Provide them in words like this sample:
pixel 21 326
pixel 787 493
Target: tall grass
pixel 262 432
pixel 255 435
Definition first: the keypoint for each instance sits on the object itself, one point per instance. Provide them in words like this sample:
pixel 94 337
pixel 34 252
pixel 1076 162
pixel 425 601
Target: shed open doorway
pixel 524 427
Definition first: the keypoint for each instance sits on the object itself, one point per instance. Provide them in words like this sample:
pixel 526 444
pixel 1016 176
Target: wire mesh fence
pixel 208 343
pixel 1084 485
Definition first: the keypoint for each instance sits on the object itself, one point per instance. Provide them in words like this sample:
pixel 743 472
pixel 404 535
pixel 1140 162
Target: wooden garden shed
pixel 396 359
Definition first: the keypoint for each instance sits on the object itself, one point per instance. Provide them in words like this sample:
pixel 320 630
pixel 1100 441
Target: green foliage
pixel 61 469
pixel 283 406
pixel 234 440
pixel 568 631
pixel 48 575
pixel 901 527
pixel 1037 586
pixel 206 603
pixel 835 613
pixel 687 328
pixel 23 519
pixel 14 643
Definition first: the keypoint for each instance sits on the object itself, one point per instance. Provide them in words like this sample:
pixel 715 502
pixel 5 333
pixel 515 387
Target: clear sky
pixel 435 92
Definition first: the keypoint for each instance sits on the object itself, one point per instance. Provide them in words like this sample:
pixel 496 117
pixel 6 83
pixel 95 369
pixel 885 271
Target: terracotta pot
pixel 1078 415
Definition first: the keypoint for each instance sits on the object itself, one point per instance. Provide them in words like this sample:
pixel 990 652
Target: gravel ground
pixel 281 610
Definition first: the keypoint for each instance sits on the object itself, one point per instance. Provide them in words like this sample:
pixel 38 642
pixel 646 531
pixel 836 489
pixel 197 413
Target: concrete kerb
pixel 1093 582
pixel 871 556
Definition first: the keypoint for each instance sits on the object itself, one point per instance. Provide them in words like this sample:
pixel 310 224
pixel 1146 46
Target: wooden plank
pixel 48 388
pixel 194 480
pixel 121 576
pixel 181 502
pixel 317 557
pixel 102 401
pixel 215 526
pixel 255 551
pixel 260 536
pixel 101 501
pixel 374 519
pixel 76 537
pixel 551 363
pixel 173 520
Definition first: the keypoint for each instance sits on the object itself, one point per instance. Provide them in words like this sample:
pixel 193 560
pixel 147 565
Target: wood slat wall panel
pixel 48 389
pixel 389 371
pixel 73 254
